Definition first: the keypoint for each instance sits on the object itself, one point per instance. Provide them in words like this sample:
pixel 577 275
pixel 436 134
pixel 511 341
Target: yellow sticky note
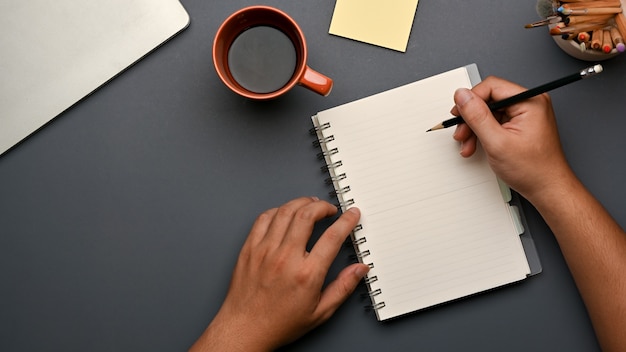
pixel 380 22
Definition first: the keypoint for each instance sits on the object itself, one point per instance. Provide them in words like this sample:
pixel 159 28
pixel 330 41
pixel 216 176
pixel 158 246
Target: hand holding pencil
pixel 522 145
pixel 525 153
pixel 508 101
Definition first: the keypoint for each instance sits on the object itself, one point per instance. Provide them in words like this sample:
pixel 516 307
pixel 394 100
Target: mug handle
pixel 316 82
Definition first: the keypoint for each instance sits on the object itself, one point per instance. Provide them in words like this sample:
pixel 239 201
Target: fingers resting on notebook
pixel 276 293
pixel 521 141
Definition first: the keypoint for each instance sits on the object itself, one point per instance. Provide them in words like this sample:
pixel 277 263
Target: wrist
pixel 560 187
pixel 226 334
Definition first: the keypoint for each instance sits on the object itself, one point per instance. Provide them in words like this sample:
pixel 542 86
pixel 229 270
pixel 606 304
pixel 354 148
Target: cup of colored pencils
pixel 590 30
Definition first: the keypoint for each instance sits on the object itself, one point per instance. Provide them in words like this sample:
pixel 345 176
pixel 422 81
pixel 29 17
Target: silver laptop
pixel 54 53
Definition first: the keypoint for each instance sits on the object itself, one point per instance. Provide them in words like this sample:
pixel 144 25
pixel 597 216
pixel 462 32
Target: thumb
pixel 338 291
pixel 476 114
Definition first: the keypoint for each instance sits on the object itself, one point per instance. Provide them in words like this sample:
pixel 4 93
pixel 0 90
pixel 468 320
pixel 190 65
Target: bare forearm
pixel 594 247
pixel 523 146
pixel 223 334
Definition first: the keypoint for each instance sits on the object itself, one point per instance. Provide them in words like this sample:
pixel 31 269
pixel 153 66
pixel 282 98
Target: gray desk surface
pixel 122 219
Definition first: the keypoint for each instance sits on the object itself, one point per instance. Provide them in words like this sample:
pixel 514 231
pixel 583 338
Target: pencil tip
pixel 428 130
pixel 438 127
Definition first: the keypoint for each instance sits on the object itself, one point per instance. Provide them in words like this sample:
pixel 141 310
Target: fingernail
pixel 355 211
pixel 315 198
pixel 462 96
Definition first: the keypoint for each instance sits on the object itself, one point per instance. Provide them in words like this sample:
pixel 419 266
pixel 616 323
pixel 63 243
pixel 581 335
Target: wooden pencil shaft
pixel 591 4
pixel 592 11
pixel 607 43
pixel 596 39
pixel 586 27
pixel 618 40
pixel 620 21
pixel 616 36
pixel 572 20
pixel 578 29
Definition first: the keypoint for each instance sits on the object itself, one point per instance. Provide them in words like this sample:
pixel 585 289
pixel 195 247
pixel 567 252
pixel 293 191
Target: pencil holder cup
pixel 586 31
pixel 580 52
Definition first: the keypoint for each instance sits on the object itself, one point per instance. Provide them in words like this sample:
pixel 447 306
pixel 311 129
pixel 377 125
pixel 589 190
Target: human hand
pixel 521 142
pixel 523 148
pixel 276 294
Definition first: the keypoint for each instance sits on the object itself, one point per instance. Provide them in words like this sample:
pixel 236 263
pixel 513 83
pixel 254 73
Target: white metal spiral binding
pixel 376 306
pixel 370 279
pixel 359 241
pixel 332 179
pixel 324 140
pixel 346 203
pixel 319 128
pixel 372 293
pixel 324 154
pixel 332 166
pixel 363 254
pixel 330 155
pixel 375 292
pixel 343 190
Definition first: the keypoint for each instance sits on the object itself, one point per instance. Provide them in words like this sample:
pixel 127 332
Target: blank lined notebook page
pixel 435 224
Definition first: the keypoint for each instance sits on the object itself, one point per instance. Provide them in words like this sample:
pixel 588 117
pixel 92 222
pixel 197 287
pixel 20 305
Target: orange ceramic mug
pixel 260 53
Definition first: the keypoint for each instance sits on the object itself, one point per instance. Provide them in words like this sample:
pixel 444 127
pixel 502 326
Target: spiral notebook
pixel 435 226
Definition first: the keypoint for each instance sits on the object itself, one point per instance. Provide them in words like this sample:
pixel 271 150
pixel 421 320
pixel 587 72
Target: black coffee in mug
pixel 262 59
pixel 260 53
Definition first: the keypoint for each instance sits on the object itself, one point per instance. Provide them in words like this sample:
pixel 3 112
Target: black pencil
pixel 589 71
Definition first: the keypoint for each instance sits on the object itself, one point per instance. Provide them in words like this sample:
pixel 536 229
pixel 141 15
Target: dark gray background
pixel 122 219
